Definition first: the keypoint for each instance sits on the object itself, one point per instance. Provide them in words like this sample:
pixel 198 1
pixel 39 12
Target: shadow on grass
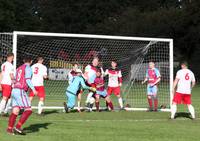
pixel 183 114
pixel 36 127
pixel 50 112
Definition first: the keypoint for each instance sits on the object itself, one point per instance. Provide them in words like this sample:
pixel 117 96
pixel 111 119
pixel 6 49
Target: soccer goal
pixel 132 53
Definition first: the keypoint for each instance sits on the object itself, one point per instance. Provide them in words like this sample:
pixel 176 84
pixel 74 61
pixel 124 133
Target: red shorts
pixel 40 90
pixel 6 90
pixel 114 90
pixel 180 98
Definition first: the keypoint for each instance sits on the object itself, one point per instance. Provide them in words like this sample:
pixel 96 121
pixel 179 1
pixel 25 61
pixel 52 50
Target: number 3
pixel 187 77
pixel 36 70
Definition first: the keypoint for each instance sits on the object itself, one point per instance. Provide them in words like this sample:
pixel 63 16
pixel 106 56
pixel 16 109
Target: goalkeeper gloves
pixel 93 89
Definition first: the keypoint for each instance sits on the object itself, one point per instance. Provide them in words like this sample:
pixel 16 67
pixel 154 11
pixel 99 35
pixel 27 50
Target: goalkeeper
pixel 73 88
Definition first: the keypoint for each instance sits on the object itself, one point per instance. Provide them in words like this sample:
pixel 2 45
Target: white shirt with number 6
pixel 186 77
pixel 39 71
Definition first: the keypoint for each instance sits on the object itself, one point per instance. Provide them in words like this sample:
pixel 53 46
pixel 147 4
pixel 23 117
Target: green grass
pixel 112 126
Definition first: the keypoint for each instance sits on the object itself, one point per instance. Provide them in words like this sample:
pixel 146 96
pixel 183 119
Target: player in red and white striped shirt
pixel 39 74
pixel 183 84
pixel 114 81
pixel 7 70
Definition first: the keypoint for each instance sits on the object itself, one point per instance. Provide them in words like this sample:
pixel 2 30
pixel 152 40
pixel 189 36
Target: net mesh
pixel 132 55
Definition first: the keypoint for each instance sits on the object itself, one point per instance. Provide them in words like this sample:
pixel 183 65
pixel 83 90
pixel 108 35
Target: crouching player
pixel 19 97
pixel 153 78
pixel 71 76
pixel 73 88
pixel 100 91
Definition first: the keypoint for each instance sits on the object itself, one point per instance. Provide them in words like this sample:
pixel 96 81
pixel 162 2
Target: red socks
pixel 23 118
pixel 150 103
pixel 11 121
pixel 155 104
pixel 110 105
pixel 97 105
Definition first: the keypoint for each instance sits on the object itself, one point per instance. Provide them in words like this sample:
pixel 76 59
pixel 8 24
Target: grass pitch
pixel 112 126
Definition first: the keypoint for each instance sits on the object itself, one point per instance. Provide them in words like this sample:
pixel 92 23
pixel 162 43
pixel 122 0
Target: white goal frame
pixel 16 33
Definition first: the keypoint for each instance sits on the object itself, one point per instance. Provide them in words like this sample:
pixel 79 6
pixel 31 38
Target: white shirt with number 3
pixel 39 71
pixel 186 77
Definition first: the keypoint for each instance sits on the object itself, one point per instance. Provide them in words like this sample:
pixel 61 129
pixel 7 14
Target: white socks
pixel 191 110
pixel 2 105
pixel 7 106
pixel 40 104
pixel 120 102
pixel 173 111
pixel 88 97
pixel 79 105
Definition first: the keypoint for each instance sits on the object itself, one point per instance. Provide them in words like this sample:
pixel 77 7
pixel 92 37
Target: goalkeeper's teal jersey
pixel 76 84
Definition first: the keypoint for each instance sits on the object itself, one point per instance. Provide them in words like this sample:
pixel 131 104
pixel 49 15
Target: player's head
pixel 28 60
pixel 95 61
pixel 184 65
pixel 151 65
pixel 113 63
pixel 10 57
pixel 98 73
pixel 75 66
pixel 40 59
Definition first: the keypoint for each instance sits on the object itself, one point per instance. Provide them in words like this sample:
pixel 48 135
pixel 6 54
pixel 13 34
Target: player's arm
pixel 70 77
pixel 193 81
pixel 120 78
pixel 85 75
pixel 146 78
pixel 28 75
pixel 175 84
pixel 45 76
pixel 86 87
pixel 105 73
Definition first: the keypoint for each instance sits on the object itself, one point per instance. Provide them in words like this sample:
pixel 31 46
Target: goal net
pixel 132 53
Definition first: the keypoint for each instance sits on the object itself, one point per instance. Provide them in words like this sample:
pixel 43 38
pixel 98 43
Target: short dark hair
pixel 39 58
pixel 10 54
pixel 114 60
pixel 27 59
pixel 184 63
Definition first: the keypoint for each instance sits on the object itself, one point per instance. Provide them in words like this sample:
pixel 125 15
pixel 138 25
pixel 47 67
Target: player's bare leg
pixel 191 110
pixel 3 104
pixel 149 97
pixel 173 110
pixel 40 105
pixel 109 102
pixel 97 97
pixel 79 102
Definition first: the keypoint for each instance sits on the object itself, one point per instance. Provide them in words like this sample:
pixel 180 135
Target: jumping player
pixel 19 97
pixel 100 91
pixel 71 76
pixel 183 84
pixel 73 88
pixel 90 75
pixel 153 77
pixel 7 70
pixel 115 82
pixel 39 74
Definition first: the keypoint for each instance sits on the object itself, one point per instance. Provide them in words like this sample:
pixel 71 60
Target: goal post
pixel 60 50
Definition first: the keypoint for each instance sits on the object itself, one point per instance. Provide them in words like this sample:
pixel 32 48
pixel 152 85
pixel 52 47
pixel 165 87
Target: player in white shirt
pixel 115 82
pixel 7 72
pixel 39 74
pixel 183 84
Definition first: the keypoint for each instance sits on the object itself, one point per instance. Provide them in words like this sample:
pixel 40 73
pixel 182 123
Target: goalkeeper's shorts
pixel 152 90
